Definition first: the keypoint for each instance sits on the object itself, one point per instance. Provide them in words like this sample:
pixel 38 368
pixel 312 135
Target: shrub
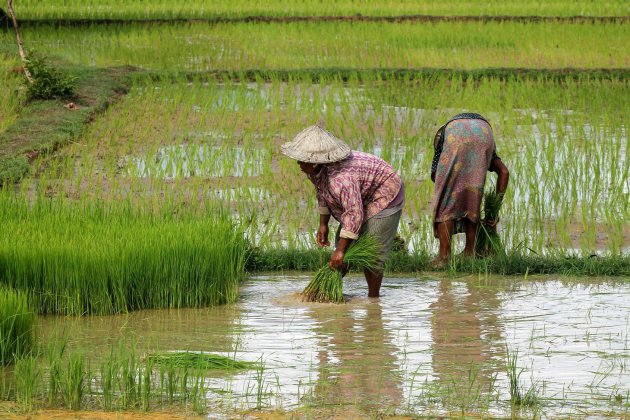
pixel 49 83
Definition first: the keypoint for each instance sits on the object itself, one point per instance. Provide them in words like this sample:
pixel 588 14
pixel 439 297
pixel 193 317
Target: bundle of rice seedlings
pixel 488 241
pixel 198 360
pixel 327 285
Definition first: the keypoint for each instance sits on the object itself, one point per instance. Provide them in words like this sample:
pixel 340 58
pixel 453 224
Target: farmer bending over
pixel 359 190
pixel 464 152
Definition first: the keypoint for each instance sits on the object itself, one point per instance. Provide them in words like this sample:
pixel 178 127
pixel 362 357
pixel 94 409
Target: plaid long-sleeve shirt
pixel 355 189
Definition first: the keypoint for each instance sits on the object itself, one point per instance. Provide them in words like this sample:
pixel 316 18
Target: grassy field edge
pixel 514 263
pixel 44 125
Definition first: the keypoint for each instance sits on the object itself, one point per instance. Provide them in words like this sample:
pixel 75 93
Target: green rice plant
pixel 528 398
pixel 28 377
pixel 55 368
pixel 332 45
pixel 74 380
pixel 545 127
pixel 17 323
pixel 488 241
pixel 327 285
pixel 215 9
pixel 198 360
pixel 93 258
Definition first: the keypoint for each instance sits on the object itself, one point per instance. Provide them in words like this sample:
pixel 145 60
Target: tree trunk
pixel 19 42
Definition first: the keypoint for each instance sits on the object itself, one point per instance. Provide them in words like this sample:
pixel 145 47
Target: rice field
pixel 525 347
pixel 220 142
pixel 131 242
pixel 239 46
pixel 92 258
pixel 169 9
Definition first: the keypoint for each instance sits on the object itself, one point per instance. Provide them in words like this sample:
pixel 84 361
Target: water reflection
pixel 467 340
pixel 428 346
pixel 205 329
pixel 357 361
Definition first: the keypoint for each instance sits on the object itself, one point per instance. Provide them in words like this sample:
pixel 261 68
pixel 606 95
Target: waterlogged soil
pixel 429 345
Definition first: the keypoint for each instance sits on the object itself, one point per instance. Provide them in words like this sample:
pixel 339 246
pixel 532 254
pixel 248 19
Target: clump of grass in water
pixel 488 242
pixel 199 360
pixel 17 319
pixel 327 285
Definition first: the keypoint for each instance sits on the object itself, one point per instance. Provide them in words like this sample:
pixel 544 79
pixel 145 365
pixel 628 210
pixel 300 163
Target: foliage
pixel 92 258
pixel 17 321
pixel 49 82
pixel 184 46
pixel 199 9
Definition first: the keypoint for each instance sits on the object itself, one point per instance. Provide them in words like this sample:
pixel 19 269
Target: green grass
pixel 90 9
pixel 95 258
pixel 17 323
pixel 10 95
pixel 124 381
pixel 359 45
pixel 513 263
pixel 43 125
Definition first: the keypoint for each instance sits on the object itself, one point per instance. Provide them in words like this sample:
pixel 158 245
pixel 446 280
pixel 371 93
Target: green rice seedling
pixel 145 384
pixel 17 320
pixel 199 360
pixel 55 354
pixel 200 9
pixel 74 381
pixel 198 392
pixel 488 241
pixel 528 398
pixel 93 258
pixel 107 371
pixel 28 376
pixel 327 285
pixel 402 45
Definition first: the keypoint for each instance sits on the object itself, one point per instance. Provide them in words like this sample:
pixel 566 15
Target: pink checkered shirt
pixel 355 189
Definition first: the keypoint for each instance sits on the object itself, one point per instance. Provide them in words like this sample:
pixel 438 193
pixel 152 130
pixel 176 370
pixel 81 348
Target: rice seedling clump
pixel 488 242
pixel 327 285
pixel 16 325
pixel 187 359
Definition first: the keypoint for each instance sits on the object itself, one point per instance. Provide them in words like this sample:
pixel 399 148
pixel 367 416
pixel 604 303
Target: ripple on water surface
pixel 427 344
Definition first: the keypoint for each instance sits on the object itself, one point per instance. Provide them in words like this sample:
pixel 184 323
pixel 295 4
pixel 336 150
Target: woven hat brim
pixel 341 153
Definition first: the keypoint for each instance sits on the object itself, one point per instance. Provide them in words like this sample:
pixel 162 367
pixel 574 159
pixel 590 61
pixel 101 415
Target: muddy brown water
pixel 428 345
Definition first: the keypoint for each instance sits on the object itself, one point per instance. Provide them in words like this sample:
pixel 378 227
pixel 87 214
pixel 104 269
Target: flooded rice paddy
pixel 428 345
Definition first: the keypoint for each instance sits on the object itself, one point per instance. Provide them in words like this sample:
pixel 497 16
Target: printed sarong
pixel 461 172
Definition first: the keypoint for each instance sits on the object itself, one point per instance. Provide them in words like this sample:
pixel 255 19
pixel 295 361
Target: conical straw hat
pixel 316 145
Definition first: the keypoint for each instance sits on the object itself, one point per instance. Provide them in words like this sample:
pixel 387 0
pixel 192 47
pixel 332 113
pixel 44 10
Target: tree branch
pixel 27 73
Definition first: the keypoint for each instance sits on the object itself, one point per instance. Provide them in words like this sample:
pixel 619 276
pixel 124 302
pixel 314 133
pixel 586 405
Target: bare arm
pixel 503 175
pixel 322 231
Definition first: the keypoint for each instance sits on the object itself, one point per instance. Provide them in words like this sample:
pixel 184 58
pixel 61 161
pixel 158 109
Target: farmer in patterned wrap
pixel 361 191
pixel 464 152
